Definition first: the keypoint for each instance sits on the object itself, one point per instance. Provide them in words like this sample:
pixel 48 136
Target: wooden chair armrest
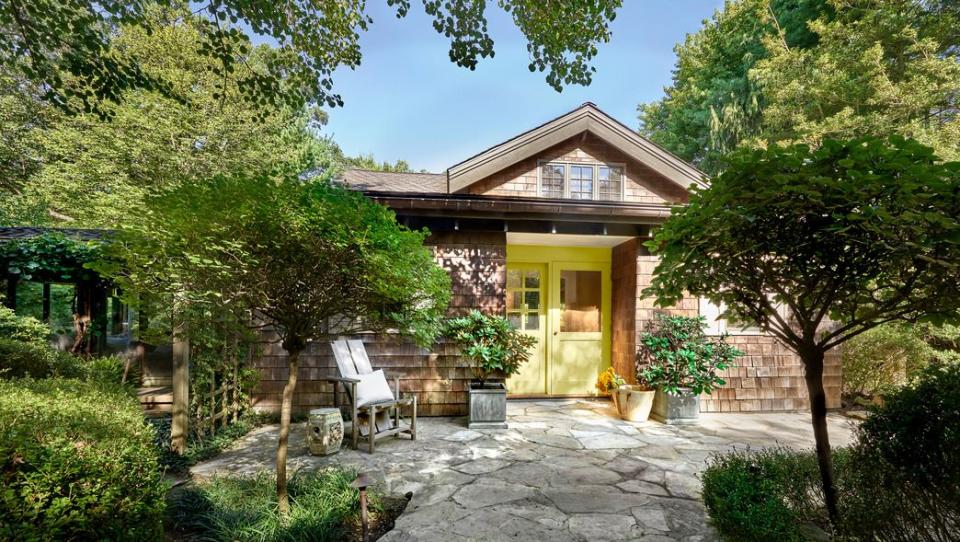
pixel 338 379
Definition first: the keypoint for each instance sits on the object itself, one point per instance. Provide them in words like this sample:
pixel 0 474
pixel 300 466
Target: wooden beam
pixel 181 393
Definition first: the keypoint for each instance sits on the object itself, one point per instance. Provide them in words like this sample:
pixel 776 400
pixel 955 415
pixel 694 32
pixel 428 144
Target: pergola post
pixel 181 393
pixel 11 298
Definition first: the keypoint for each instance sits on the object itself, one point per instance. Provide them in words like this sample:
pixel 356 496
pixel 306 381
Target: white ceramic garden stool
pixel 324 431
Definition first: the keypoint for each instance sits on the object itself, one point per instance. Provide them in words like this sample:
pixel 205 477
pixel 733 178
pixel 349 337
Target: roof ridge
pixel 393 172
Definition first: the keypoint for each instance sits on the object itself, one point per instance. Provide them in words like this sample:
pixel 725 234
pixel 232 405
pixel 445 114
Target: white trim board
pixel 566 240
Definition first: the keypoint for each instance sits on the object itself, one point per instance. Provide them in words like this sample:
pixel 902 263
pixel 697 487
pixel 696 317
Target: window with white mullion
pixel 609 183
pixel 581 182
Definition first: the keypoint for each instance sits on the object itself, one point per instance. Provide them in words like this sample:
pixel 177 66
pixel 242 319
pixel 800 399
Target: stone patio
pixel 564 471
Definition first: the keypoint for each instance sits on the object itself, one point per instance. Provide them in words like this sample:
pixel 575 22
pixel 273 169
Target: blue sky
pixel 408 101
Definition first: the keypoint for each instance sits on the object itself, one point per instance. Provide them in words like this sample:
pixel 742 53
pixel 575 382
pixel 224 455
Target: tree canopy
pixel 768 71
pixel 93 172
pixel 65 46
pixel 309 259
pixel 819 246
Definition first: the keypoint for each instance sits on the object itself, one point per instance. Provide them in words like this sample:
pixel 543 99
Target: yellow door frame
pixel 557 258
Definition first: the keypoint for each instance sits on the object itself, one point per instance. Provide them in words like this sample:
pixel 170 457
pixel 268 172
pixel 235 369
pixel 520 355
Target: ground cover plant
pixel 77 461
pixel 200 448
pixel 238 508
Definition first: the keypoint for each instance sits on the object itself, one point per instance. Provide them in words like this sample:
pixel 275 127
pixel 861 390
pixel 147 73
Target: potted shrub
pixel 496 351
pixel 681 362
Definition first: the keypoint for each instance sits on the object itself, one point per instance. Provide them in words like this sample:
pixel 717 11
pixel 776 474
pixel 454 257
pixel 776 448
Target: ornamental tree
pixel 819 246
pixel 309 259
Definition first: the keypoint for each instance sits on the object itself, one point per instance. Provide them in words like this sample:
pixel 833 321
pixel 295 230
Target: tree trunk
pixel 813 363
pixel 285 408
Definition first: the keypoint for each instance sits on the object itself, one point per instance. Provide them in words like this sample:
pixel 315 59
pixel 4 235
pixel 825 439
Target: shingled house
pixel 547 229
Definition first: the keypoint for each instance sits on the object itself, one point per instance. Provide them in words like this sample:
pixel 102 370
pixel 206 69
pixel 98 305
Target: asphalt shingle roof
pixel 383 181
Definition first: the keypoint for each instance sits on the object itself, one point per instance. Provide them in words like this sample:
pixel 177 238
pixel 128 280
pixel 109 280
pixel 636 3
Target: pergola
pixel 47 256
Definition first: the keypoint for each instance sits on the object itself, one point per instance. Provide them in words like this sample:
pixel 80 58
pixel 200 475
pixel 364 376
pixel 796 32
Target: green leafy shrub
pixel 26 359
pixel 907 484
pixel 490 343
pixel 765 494
pixel 22 328
pixel 78 463
pixel 245 508
pixel 899 482
pixel 885 358
pixel 676 353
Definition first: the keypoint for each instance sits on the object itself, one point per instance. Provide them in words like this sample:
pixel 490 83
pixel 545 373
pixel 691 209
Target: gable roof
pixel 387 181
pixel 586 118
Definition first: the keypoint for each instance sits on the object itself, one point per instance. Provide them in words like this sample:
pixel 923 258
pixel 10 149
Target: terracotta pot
pixel 634 402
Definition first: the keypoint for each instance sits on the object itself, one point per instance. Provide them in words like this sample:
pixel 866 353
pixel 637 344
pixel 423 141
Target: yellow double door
pixel 560 296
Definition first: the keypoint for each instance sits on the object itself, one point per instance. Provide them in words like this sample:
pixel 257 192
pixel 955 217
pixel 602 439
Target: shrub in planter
pixel 495 350
pixel 493 347
pixel 680 361
pixel 77 462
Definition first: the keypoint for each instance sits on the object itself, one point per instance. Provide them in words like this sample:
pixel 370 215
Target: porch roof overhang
pixel 512 207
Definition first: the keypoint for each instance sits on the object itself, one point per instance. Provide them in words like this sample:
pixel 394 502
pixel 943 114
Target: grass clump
pixel 244 508
pixel 201 448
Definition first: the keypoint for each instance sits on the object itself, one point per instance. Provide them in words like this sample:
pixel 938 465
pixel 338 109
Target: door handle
pixel 555 332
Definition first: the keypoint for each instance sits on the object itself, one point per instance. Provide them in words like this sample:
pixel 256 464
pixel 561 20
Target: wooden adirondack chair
pixel 352 363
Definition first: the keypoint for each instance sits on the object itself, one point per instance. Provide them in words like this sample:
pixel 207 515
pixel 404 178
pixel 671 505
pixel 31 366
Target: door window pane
pixel 581 182
pixel 513 299
pixel 532 299
pixel 513 278
pixel 513 318
pixel 611 183
pixel 532 280
pixel 533 321
pixel 580 295
pixel 551 180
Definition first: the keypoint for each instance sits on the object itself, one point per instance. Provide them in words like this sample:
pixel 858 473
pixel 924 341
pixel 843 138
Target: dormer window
pixel 581 181
pixel 552 178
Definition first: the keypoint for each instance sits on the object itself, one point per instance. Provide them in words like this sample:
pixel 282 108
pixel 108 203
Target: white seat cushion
pixel 373 388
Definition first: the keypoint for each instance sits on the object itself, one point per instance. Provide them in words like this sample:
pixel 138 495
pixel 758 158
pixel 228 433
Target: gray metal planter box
pixel 488 405
pixel 681 409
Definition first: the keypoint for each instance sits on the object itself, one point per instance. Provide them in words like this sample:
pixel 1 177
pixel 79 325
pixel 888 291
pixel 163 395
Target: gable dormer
pixel 582 155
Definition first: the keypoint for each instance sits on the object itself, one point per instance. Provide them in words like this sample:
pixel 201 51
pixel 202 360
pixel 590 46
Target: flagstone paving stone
pixel 564 471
